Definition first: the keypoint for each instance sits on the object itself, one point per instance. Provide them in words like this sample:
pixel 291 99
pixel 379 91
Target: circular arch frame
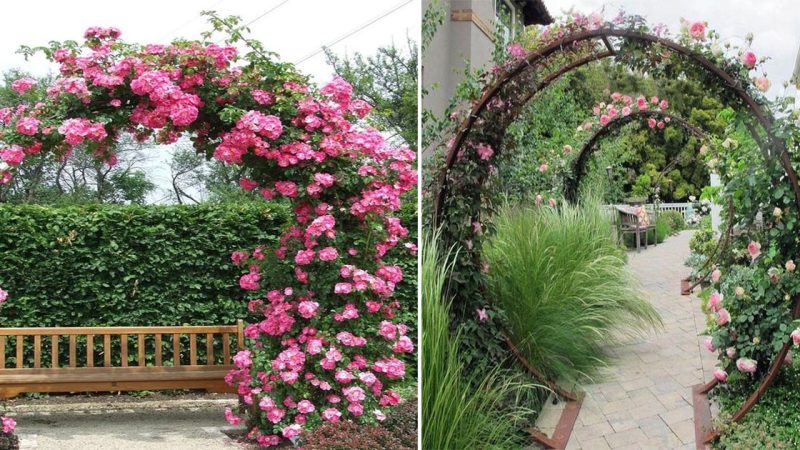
pixel 774 146
pixel 573 179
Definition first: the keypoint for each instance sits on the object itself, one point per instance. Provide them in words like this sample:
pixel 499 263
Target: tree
pixel 388 81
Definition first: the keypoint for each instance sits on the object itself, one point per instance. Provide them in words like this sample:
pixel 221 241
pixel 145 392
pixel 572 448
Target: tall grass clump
pixel 460 410
pixel 560 276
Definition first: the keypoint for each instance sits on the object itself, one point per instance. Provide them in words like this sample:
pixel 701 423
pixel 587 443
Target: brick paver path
pixel 644 400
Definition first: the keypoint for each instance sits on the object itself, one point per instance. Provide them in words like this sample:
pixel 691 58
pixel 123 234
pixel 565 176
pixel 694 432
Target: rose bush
pixel 324 344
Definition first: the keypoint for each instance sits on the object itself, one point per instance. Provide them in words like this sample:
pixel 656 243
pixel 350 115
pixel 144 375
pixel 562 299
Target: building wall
pixel 464 38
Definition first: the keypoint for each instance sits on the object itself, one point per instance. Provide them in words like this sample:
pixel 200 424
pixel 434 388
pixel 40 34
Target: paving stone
pixel 643 400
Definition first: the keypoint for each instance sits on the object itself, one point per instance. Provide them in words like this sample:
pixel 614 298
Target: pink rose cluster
pixel 340 372
pixel 624 105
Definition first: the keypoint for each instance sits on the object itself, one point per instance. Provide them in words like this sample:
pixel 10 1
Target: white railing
pixel 686 209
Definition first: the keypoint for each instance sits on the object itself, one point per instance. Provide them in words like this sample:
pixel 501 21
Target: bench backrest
pixel 92 346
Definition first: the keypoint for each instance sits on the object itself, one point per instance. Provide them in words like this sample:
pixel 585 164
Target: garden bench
pixel 92 366
pixel 630 222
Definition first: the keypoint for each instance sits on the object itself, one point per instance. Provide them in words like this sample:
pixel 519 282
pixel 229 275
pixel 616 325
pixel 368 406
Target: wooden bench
pixel 630 222
pixel 38 368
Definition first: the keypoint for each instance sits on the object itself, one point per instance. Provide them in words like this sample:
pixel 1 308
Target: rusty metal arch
pixel 578 169
pixel 571 44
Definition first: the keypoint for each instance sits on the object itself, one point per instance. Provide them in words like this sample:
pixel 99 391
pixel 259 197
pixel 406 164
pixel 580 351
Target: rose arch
pixel 459 206
pixel 323 343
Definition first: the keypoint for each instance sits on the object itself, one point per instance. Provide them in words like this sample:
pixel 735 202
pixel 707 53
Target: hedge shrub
pixel 104 265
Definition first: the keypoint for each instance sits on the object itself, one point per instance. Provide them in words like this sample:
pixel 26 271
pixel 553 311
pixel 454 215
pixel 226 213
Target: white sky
pixel 294 29
pixel 774 23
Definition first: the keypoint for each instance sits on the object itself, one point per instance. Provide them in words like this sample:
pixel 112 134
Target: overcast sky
pixel 774 23
pixel 294 29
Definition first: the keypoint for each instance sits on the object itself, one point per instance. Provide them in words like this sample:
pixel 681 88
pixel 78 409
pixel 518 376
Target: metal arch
pixel 571 41
pixel 579 163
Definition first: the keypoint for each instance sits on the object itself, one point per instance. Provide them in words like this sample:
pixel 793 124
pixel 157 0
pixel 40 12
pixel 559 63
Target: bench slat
pixel 158 350
pixel 89 350
pixel 106 350
pixel 37 352
pixel 226 348
pixel 82 331
pixel 123 349
pixel 176 350
pixel 20 349
pixel 54 348
pixel 2 352
pixel 193 349
pixel 80 374
pixel 140 343
pixel 72 353
pixel 209 349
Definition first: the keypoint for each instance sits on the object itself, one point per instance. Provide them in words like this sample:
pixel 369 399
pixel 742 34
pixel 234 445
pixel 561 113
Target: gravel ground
pixel 126 429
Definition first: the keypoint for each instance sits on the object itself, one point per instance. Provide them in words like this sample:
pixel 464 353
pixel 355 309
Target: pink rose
pixel 3 295
pixel 709 343
pixel 698 30
pixel 796 336
pixel 754 249
pixel 305 406
pixel 291 431
pixel 543 168
pixel 651 122
pixel 23 85
pixel 746 365
pixel 484 151
pixel 749 59
pixel 723 316
pixel 720 375
pixel 715 275
pixel 790 266
pixel 331 415
pixel 229 416
pixel 715 301
pixel 328 254
pixel 763 84
pixel 482 316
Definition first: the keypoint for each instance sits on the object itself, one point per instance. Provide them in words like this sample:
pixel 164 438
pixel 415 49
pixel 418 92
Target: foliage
pixel 134 265
pixel 771 424
pixel 349 435
pixel 9 441
pixel 563 267
pixel 388 81
pixel 460 410
pixel 402 422
pixel 674 221
pixel 324 331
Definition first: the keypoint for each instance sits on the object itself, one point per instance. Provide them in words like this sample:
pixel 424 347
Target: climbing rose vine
pixel 324 343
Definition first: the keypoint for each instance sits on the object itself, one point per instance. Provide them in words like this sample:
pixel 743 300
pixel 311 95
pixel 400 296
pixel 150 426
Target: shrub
pixel 351 436
pixel 771 424
pixel 402 422
pixel 674 220
pixel 9 441
pixel 106 265
pixel 460 410
pixel 560 278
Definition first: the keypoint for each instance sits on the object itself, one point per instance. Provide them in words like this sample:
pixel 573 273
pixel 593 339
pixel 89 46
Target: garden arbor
pixel 566 47
pixel 324 341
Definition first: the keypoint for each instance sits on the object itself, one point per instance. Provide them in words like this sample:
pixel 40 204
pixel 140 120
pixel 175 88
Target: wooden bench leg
pixel 638 240
pixel 9 393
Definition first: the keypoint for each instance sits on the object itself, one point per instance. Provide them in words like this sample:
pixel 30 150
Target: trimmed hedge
pixel 104 265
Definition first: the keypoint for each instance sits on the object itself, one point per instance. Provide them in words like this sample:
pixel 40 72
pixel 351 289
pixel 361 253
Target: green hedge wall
pixel 106 265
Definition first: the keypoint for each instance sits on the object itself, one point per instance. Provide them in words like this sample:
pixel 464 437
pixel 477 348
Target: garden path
pixel 644 401
pixel 126 429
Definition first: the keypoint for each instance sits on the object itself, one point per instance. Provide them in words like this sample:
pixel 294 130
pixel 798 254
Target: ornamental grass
pixel 559 274
pixel 461 410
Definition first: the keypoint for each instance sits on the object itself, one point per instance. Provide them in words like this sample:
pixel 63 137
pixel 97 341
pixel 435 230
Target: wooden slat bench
pixel 630 222
pixel 33 371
